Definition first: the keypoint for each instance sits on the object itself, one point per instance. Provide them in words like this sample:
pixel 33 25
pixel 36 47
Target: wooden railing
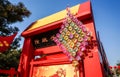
pixel 10 73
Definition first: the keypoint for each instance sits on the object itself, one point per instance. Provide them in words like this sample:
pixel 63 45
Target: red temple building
pixel 41 57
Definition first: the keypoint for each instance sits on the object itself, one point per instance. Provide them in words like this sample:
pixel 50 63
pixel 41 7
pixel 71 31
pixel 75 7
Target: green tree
pixel 10 59
pixel 118 69
pixel 118 63
pixel 9 14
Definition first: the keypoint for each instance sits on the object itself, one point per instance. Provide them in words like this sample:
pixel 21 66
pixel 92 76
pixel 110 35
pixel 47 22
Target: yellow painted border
pixel 54 17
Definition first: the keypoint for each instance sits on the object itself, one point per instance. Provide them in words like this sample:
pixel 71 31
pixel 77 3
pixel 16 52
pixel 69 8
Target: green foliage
pixel 118 63
pixel 118 72
pixel 10 14
pixel 10 59
pixel 118 69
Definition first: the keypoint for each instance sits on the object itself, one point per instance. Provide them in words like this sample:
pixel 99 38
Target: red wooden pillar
pixel 92 63
pixel 24 65
pixel 12 72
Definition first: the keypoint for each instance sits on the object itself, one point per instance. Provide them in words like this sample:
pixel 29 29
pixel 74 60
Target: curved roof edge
pixel 79 10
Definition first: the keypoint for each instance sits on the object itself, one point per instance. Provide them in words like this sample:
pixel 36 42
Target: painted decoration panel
pixel 65 70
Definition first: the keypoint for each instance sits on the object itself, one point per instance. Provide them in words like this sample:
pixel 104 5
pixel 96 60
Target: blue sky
pixel 106 16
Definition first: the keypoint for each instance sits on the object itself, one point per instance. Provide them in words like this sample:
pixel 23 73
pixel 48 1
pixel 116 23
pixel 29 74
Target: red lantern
pixel 115 67
pixel 110 67
pixel 119 67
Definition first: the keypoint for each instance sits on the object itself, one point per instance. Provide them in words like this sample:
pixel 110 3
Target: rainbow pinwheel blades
pixel 73 37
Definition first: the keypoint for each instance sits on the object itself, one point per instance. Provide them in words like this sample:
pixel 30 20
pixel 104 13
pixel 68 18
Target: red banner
pixel 5 42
